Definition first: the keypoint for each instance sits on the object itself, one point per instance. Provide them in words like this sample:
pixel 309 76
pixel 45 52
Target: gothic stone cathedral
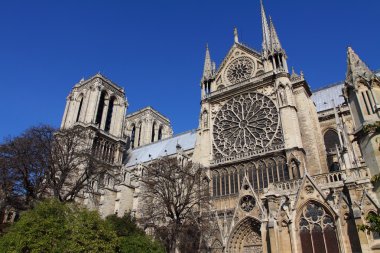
pixel 289 170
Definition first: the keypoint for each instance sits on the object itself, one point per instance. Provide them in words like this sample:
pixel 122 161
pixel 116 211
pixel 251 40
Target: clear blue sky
pixel 155 49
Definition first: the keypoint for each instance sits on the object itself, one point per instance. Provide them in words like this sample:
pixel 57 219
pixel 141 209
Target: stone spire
pixel 236 35
pixel 356 68
pixel 266 32
pixel 275 44
pixel 208 66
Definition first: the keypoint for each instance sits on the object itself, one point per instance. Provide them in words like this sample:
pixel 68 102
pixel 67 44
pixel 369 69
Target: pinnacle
pixel 356 68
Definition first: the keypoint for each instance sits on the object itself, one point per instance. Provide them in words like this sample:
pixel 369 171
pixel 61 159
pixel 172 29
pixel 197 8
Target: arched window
pixel 261 168
pixel 234 181
pixel 283 170
pixel 109 114
pixel 264 174
pixel 272 171
pixel 331 139
pixel 216 184
pixel 133 133
pixel 241 176
pixel 317 230
pixel 139 139
pixel 99 114
pixel 79 109
pixel 224 177
pixel 153 131
pixel 205 119
pixel 160 133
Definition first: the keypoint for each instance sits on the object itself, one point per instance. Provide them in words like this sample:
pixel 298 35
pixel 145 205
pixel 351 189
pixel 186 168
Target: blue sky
pixel 155 49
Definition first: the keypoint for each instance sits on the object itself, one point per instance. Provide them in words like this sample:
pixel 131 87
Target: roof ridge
pixel 174 136
pixel 376 72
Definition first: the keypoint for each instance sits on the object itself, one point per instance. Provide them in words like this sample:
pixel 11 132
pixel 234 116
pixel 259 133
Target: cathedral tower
pixel 98 105
pixel 362 92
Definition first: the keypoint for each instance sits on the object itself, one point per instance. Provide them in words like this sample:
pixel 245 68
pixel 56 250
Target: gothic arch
pixel 217 247
pixel 101 104
pixel 80 99
pixel 215 183
pixel 110 110
pixel 316 227
pixel 246 237
pixel 205 122
pixel 330 138
pixel 160 129
pixel 154 124
pixel 140 131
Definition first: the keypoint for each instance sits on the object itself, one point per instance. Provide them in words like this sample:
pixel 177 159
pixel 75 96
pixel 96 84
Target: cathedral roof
pixel 322 97
pixel 161 148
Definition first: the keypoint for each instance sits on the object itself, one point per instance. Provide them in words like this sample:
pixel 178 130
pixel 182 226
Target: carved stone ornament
pixel 240 69
pixel 309 189
pixel 247 203
pixel 246 123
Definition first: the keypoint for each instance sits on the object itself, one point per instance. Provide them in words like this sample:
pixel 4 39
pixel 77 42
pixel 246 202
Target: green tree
pixel 373 220
pixel 132 239
pixel 52 226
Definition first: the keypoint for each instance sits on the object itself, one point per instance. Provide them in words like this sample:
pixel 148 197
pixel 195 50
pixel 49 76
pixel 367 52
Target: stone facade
pixel 289 170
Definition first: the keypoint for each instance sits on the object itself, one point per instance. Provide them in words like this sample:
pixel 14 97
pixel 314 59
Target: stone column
pixel 137 134
pixel 104 115
pixel 63 123
pixel 357 216
pixel 362 236
pixel 97 95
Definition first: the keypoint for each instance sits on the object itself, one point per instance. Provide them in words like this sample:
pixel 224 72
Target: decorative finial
pixel 236 36
pixel 293 72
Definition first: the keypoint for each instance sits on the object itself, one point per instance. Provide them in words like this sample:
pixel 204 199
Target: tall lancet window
pixel 140 131
pixel 133 134
pixel 317 230
pixel 160 133
pixel 99 113
pixel 109 114
pixel 153 131
pixel 80 108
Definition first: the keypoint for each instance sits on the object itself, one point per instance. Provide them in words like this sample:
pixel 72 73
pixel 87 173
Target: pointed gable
pixel 241 63
pixel 309 191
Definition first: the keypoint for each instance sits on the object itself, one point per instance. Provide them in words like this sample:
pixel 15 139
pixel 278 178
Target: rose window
pixel 247 203
pixel 240 69
pixel 246 123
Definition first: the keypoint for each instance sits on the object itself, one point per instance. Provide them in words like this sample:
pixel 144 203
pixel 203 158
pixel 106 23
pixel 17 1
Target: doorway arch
pixel 246 237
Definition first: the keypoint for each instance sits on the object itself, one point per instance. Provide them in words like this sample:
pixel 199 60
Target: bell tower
pixel 98 105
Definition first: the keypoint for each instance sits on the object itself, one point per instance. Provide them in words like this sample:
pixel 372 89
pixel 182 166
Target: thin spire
pixel 356 68
pixel 266 33
pixel 236 35
pixel 208 68
pixel 274 40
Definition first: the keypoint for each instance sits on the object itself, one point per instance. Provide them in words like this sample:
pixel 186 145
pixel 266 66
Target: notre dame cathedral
pixel 289 169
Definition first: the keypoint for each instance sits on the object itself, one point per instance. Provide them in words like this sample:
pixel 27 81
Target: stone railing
pixel 288 185
pixel 355 174
pixel 328 179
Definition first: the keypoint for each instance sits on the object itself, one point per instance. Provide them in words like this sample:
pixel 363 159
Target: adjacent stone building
pixel 289 170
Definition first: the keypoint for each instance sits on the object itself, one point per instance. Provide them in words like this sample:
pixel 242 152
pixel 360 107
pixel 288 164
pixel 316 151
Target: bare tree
pixel 44 162
pixel 174 195
pixel 74 164
pixel 24 162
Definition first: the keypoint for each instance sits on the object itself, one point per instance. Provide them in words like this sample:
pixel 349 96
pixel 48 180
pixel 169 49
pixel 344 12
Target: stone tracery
pixel 246 123
pixel 240 69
